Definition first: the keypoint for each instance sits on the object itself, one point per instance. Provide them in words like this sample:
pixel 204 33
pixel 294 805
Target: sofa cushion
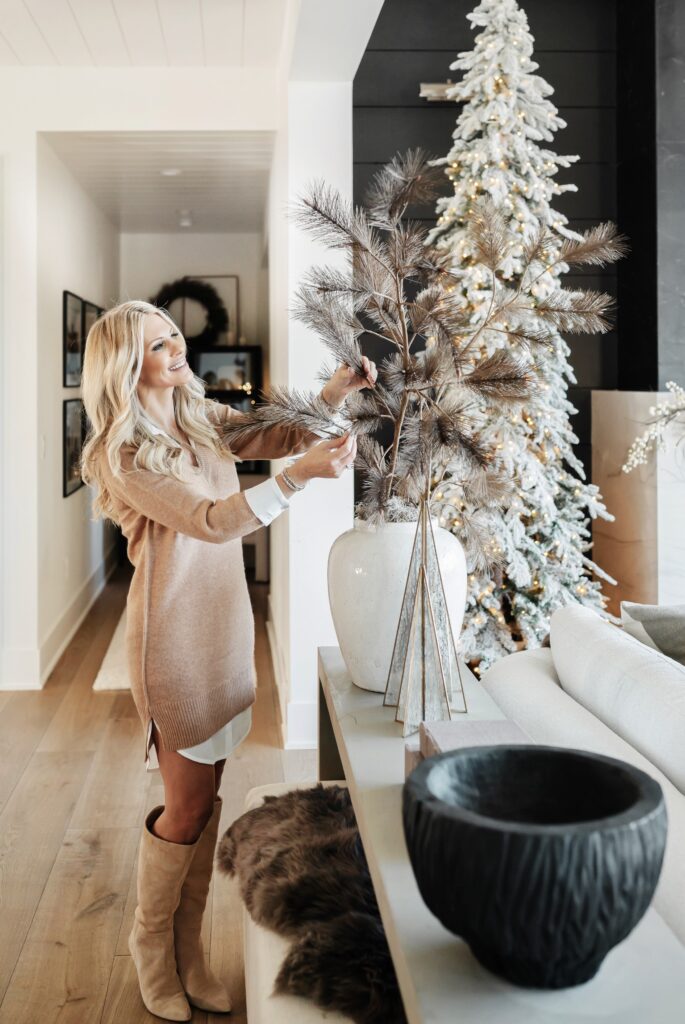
pixel 526 687
pixel 660 626
pixel 636 691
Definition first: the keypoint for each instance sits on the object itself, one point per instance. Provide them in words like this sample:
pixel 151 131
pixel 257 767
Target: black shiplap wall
pixel 575 46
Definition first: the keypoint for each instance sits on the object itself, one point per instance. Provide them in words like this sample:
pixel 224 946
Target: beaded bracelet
pixel 290 482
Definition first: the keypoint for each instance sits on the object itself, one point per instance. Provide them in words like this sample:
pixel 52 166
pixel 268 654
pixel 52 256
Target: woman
pixel 164 474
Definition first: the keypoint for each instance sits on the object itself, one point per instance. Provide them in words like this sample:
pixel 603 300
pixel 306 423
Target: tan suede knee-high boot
pixel 162 868
pixel 203 988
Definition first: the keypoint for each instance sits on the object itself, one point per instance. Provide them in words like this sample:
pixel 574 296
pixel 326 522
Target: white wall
pixel 77 249
pixel 314 140
pixel 47 99
pixel 150 260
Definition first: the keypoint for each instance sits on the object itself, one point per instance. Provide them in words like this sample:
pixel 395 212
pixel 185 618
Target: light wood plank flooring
pixel 73 795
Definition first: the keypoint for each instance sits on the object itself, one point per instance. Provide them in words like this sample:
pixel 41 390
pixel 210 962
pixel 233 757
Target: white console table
pixel 641 980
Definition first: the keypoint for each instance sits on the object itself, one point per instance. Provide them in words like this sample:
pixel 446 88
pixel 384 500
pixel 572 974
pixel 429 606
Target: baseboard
pixel 300 730
pixel 20 669
pixel 67 624
pixel 299 726
pixel 278 661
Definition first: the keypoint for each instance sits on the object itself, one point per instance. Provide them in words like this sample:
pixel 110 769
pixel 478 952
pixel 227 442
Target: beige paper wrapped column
pixel 644 548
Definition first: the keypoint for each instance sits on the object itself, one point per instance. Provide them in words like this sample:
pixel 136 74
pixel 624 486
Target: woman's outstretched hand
pixel 345 380
pixel 325 459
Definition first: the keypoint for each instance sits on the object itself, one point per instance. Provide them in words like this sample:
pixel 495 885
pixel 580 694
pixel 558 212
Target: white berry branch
pixel 664 413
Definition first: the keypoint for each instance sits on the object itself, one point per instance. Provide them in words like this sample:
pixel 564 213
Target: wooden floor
pixel 73 795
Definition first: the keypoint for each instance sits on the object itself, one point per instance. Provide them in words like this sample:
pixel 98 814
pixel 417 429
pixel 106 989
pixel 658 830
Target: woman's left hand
pixel 345 380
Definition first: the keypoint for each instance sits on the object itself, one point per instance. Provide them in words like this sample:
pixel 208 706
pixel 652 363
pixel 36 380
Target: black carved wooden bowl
pixel 541 858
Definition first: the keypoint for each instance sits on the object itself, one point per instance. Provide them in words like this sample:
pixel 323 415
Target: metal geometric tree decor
pixel 424 680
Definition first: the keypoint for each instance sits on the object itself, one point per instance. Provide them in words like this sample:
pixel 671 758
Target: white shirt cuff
pixel 266 500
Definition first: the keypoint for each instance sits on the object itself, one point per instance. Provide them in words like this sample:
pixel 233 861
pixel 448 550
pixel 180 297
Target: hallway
pixel 73 795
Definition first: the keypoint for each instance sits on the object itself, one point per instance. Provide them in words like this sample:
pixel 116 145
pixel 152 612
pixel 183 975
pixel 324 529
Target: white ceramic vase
pixel 367 573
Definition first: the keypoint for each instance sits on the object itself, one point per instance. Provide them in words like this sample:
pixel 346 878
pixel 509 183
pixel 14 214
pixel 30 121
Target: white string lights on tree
pixel 500 149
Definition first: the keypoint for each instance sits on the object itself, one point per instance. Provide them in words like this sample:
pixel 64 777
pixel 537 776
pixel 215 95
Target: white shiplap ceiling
pixel 223 179
pixel 141 33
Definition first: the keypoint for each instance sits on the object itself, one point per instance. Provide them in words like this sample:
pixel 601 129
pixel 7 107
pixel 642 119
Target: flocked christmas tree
pixel 542 538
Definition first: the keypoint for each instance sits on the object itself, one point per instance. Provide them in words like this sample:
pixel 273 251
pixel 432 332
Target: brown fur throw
pixel 302 873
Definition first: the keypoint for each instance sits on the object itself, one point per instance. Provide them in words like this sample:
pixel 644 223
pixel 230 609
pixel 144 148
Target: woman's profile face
pixel 164 362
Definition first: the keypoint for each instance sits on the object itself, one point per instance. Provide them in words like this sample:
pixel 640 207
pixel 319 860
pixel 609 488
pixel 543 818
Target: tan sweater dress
pixel 190 628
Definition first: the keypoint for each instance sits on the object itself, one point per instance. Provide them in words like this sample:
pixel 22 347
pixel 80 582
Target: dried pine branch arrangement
pixel 434 386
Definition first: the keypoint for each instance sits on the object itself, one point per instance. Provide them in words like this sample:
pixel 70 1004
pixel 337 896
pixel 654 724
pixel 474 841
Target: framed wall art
pixel 230 368
pixel 90 314
pixel 72 339
pixel 73 437
pixel 233 376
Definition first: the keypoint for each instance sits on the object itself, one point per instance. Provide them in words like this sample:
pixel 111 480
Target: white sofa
pixel 597 688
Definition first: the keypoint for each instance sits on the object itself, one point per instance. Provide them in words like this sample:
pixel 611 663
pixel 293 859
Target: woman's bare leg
pixel 189 791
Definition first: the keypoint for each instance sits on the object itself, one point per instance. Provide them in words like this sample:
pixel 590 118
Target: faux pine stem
pixel 396 444
pixel 399 288
pixel 404 340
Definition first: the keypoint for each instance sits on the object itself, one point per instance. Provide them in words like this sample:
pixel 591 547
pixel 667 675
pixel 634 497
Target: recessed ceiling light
pixel 170 172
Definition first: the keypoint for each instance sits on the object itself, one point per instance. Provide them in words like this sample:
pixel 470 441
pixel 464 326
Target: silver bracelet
pixel 333 408
pixel 290 482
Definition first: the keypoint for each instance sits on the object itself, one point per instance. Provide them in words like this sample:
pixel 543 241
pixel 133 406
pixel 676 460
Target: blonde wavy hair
pixel 112 364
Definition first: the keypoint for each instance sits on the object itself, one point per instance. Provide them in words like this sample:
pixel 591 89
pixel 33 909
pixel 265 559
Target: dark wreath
pixel 206 295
